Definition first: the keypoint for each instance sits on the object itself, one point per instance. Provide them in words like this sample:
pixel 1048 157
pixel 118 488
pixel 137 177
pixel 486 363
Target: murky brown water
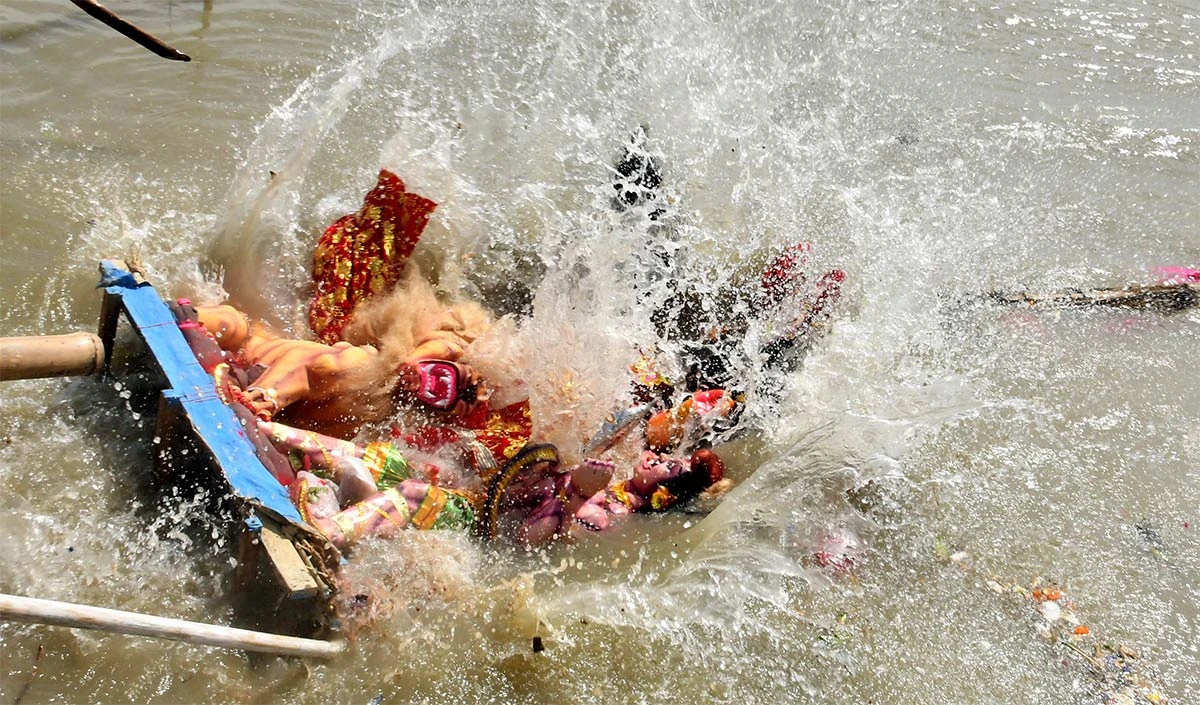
pixel 932 150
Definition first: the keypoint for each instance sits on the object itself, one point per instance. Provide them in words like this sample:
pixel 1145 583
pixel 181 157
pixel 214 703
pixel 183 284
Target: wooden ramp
pixel 275 545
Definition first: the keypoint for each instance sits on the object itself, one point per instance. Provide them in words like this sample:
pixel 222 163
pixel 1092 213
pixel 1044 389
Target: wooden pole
pixel 1158 297
pixel 131 30
pixel 65 614
pixel 51 356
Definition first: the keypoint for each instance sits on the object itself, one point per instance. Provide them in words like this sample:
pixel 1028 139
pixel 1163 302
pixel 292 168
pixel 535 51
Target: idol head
pixel 439 385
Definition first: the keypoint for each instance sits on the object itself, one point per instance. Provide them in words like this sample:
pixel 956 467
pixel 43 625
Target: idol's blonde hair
pixel 411 313
pixel 396 323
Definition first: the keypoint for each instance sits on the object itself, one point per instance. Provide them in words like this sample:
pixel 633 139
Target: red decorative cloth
pixel 364 253
pixel 502 431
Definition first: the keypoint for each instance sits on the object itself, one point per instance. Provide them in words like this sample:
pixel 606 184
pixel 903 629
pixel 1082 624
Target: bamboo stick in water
pixel 14 608
pixel 1158 297
pixel 131 30
pixel 50 356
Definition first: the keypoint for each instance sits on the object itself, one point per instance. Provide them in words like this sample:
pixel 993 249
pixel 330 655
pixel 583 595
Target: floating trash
pixel 841 551
pixel 1120 680
pixel 1150 536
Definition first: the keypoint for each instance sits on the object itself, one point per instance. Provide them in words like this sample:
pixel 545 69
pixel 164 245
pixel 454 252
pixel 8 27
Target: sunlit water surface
pixel 933 150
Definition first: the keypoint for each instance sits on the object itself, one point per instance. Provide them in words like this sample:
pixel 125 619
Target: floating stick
pixel 1159 297
pixel 131 30
pixel 65 614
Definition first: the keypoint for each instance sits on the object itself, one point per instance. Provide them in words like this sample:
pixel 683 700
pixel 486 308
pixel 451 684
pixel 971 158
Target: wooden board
pixel 290 569
pixel 190 407
pixel 188 384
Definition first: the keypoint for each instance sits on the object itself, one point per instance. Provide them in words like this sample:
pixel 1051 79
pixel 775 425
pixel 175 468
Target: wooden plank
pixel 166 431
pixel 290 569
pixel 110 314
pixel 220 432
pixel 191 411
pixel 215 424
pixel 249 549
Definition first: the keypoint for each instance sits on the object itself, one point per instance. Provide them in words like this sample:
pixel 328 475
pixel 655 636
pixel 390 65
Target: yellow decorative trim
pixel 431 506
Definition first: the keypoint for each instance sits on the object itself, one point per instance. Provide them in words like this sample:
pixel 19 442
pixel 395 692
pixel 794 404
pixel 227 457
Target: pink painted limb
pixel 547 521
pixel 653 470
pixel 355 482
pixel 528 492
pixel 316 497
pixel 617 509
pixel 414 492
pixel 382 515
pixel 319 449
pixel 591 477
pixel 829 290
pixel 785 275
pixel 593 515
pixel 584 490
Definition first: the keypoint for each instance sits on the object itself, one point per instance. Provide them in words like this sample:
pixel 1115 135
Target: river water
pixel 934 150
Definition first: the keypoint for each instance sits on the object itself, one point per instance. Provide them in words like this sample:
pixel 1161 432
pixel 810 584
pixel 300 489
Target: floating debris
pixel 841 551
pixel 37 662
pixel 1112 665
pixel 839 634
pixel 1148 534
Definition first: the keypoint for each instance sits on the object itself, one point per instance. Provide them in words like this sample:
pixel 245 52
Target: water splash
pixel 932 151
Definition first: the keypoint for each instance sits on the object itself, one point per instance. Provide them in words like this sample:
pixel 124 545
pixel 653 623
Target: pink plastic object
pixel 1177 275
pixel 840 552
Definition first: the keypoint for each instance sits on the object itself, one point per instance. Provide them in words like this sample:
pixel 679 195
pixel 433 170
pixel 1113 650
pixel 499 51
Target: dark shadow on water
pixel 167 489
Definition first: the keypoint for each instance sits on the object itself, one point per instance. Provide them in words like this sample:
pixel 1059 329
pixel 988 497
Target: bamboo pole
pixel 65 614
pixel 50 356
pixel 1158 297
pixel 131 30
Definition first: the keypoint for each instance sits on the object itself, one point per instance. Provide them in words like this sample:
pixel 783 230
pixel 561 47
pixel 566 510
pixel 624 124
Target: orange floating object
pixel 1081 630
pixel 1052 593
pixel 660 431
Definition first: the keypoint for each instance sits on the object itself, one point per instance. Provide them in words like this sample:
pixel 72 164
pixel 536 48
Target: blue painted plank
pixel 215 423
pixel 221 431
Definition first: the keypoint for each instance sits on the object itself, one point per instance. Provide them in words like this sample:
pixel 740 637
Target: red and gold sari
pixel 363 254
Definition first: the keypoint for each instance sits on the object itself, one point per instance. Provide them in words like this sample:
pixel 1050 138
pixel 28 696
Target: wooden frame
pixel 282 561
